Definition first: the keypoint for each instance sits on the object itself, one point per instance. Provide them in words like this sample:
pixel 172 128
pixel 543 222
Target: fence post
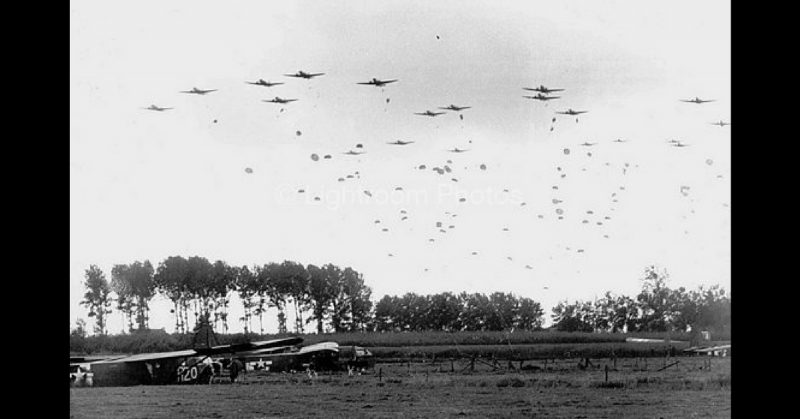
pixel 606 372
pixel 380 374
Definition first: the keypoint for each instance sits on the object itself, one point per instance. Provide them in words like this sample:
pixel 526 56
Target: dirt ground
pixel 689 389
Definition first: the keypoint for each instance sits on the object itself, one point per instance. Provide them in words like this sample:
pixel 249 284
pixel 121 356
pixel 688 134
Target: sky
pixel 146 185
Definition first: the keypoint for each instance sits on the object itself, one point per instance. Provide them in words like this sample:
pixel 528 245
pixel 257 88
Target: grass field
pixel 695 387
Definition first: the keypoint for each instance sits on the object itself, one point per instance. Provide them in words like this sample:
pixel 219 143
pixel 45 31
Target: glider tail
pixel 204 336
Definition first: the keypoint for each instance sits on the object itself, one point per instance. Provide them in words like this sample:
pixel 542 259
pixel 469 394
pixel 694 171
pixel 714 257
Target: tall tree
pixel 530 314
pixel 444 309
pixel 387 311
pixel 143 289
pixel 276 286
pixel 476 311
pixel 97 297
pixel 320 295
pixel 654 300
pixel 358 296
pixel 247 287
pixel 170 280
pixel 121 285
pixel 199 287
pixel 222 282
pixel 294 283
pixel 572 317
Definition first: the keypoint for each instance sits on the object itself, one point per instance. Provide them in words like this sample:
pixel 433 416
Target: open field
pixel 695 387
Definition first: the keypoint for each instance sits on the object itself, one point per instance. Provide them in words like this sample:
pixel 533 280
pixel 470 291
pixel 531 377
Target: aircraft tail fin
pixel 204 336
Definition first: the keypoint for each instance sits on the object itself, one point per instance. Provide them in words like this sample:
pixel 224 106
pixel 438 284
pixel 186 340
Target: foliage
pixel 97 297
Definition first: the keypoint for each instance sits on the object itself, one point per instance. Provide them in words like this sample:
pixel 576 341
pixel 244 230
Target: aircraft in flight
pixel 542 97
pixel 262 82
pixel 304 75
pixel 679 144
pixel 571 112
pixel 428 113
pixel 400 142
pixel 542 89
pixel 457 150
pixel 720 123
pixel 196 91
pixel 354 153
pixel 697 100
pixel 378 83
pixel 156 108
pixel 588 144
pixel 455 108
pixel 279 100
pixel 620 140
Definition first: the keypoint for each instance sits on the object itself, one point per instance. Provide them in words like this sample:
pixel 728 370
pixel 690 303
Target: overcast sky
pixel 148 185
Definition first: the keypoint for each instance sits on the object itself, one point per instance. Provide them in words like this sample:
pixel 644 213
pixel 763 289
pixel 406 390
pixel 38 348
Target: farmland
pixel 694 387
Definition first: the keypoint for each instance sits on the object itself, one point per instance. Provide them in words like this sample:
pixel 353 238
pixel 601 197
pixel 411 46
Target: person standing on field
pixel 236 366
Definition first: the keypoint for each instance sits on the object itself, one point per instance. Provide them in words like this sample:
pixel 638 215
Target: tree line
pixel 657 308
pixel 338 300
pixel 199 289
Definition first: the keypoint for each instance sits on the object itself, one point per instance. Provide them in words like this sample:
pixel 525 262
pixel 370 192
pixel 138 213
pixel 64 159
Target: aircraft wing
pixel 316 74
pixel 216 350
pixel 710 349
pixel 323 346
pixel 150 357
pixel 249 346
pixel 367 83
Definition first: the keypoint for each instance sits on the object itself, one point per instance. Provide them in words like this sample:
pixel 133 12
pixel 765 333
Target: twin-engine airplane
pixel 541 97
pixel 428 113
pixel 697 100
pixel 542 89
pixel 156 108
pixel 378 83
pixel 196 91
pixel 279 100
pixel 262 82
pixel 571 112
pixel 455 108
pixel 304 75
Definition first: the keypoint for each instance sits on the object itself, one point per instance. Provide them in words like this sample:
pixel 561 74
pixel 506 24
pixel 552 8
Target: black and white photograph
pixel 416 209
